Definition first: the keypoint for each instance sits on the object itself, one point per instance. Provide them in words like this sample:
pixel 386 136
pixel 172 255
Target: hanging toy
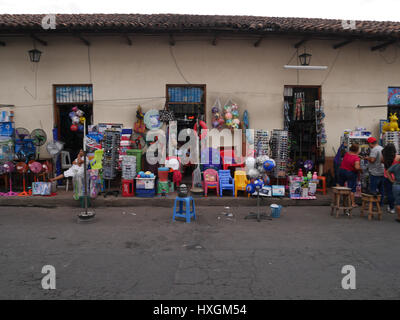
pixel 217 120
pixel 77 119
pixel 139 126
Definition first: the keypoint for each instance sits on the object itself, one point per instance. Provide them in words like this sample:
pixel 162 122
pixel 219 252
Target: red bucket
pixel 163 174
pixel 127 188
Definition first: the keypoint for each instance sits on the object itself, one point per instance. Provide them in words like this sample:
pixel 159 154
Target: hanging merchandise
pixel 77 119
pixel 111 143
pixel 261 142
pixel 166 115
pixel 217 118
pixel 231 115
pixel 152 120
pixel 392 125
pixel 279 151
pixel 320 125
pixel 139 126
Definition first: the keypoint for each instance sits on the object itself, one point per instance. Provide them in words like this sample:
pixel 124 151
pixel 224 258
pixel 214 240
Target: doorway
pixel 301 104
pixel 66 97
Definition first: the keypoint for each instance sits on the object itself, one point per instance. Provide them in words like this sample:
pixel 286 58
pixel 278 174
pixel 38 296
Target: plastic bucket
pixel 275 210
pixel 163 174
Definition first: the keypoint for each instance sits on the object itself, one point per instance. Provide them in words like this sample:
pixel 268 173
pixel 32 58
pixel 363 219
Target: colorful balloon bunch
pixel 256 167
pixel 231 115
pixel 77 118
pixel 217 119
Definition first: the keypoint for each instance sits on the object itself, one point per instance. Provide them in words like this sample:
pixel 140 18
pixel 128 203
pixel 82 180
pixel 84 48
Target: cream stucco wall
pixel 253 77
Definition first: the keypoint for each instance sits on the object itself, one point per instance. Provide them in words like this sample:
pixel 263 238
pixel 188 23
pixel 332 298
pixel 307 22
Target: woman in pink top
pixel 349 168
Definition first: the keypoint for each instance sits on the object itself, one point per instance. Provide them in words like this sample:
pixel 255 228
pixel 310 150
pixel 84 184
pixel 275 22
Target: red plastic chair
pixel 211 181
pixel 228 159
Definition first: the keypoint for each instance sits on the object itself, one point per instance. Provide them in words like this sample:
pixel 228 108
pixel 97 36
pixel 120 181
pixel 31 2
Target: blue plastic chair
pixel 226 182
pixel 189 212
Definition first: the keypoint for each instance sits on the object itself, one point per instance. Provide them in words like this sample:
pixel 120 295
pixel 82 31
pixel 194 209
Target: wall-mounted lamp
pixel 34 55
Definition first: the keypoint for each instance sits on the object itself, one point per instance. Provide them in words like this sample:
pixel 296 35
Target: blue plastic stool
pixel 189 211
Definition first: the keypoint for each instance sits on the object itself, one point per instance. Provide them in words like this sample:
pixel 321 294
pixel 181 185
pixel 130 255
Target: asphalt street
pixel 139 253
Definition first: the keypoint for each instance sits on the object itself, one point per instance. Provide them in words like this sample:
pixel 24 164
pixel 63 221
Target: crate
pixel 143 193
pixel 145 183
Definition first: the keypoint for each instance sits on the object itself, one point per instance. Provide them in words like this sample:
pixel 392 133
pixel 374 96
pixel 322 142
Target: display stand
pixel 258 215
pixel 111 143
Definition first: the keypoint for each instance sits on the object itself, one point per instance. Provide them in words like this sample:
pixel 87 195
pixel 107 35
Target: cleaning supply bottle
pixel 300 173
pixel 315 176
pixel 309 175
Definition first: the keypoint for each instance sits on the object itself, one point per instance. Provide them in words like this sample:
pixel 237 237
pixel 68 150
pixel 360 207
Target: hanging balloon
pixel 82 120
pixel 214 110
pixel 80 128
pixel 250 162
pixel 75 109
pixel 228 122
pixel 253 173
pixel 250 188
pixel 72 114
pixel 75 120
pixel 228 115
pixel 74 127
pixel 269 165
pixel 80 113
pixel 215 124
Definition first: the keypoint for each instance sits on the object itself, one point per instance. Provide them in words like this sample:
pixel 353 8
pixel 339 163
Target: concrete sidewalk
pixel 64 199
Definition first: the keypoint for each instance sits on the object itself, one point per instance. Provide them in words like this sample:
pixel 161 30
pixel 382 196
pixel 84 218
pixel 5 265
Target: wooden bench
pixel 368 200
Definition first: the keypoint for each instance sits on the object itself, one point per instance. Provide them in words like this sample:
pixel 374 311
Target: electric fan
pixel 39 138
pixel 9 168
pixel 22 143
pixel 22 168
pixel 22 133
pixel 54 148
pixel 47 168
pixel 35 167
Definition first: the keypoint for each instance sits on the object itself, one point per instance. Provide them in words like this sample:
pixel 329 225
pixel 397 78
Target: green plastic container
pixel 138 154
pixel 163 185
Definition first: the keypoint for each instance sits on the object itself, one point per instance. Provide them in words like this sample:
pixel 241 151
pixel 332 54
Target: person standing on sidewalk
pixel 376 169
pixel 349 169
pixel 395 169
pixel 389 158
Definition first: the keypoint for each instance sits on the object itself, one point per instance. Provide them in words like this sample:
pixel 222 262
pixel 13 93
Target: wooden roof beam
pixel 301 42
pixel 42 42
pixel 382 45
pixel 258 42
pixel 128 40
pixel 171 40
pixel 80 37
pixel 342 44
pixel 215 40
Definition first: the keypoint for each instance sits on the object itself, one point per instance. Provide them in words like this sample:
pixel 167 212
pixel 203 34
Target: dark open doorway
pixel 67 97
pixel 301 103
